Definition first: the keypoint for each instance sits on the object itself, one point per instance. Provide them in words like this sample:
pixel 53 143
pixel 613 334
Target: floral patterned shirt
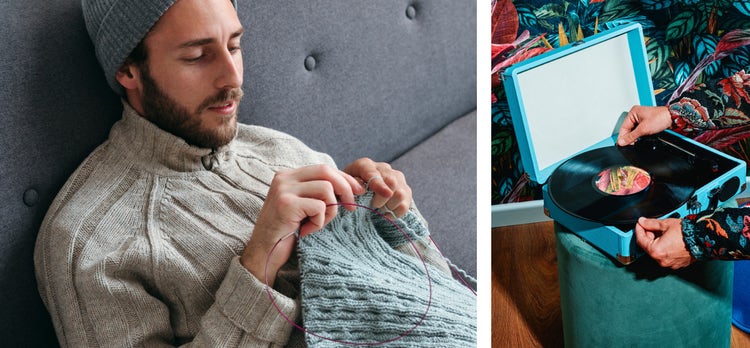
pixel 713 113
pixel 719 234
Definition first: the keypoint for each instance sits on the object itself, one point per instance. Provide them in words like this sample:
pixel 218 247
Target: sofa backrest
pixel 379 75
pixel 349 77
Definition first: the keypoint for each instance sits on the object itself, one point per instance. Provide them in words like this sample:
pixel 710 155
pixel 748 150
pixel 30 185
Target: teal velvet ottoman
pixel 605 304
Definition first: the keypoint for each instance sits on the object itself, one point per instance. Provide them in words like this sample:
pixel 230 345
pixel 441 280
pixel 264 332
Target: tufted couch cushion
pixel 378 80
pixel 383 79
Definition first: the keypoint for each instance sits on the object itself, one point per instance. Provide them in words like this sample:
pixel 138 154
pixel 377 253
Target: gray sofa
pixel 391 80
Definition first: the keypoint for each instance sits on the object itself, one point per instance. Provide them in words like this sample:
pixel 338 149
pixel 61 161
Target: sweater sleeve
pixel 411 238
pixel 721 234
pixel 112 300
pixel 244 309
pixel 108 281
pixel 716 104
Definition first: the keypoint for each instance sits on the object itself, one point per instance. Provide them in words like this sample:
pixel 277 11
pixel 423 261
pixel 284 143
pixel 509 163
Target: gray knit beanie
pixel 117 26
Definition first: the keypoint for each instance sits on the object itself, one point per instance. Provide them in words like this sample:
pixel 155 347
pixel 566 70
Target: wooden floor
pixel 526 293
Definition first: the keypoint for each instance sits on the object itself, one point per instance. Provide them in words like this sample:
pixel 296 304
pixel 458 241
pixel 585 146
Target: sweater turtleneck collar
pixel 159 150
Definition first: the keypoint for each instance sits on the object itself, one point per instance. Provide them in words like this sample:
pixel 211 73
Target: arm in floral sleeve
pixel 716 104
pixel 721 234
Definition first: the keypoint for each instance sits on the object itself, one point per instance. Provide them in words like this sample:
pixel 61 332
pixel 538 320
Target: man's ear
pixel 128 76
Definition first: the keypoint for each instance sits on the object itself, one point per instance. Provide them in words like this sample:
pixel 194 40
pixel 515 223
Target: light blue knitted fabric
pixel 357 288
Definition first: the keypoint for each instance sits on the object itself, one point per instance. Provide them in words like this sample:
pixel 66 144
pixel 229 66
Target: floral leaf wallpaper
pixel 679 34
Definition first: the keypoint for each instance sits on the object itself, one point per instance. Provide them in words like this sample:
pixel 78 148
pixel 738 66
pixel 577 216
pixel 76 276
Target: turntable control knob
pixel 714 167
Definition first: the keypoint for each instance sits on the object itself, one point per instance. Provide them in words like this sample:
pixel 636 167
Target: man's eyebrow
pixel 206 41
pixel 237 33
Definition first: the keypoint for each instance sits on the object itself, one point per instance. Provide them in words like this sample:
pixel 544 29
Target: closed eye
pixel 193 59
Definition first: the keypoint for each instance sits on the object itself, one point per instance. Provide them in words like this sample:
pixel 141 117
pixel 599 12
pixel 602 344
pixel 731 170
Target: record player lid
pixel 573 99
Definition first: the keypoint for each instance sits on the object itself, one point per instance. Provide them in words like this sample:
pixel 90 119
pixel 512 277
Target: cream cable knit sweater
pixel 141 245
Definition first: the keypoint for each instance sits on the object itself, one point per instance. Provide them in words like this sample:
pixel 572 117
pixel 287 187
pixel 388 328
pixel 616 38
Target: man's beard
pixel 166 113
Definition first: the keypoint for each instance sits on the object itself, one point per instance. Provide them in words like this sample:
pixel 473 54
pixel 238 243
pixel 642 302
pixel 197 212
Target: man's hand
pixel 297 199
pixel 641 121
pixel 662 240
pixel 392 194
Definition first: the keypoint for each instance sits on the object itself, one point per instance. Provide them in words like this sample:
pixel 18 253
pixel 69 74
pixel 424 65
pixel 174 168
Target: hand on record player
pixel 641 121
pixel 663 241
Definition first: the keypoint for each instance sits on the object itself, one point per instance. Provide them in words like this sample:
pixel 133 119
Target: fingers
pixel 315 220
pixel 663 241
pixel 641 121
pixel 301 199
pixel 391 192
pixel 310 194
pixel 343 185
pixel 397 204
pixel 650 224
pixel 356 185
pixel 317 202
pixel 381 187
pixel 629 131
pixel 644 238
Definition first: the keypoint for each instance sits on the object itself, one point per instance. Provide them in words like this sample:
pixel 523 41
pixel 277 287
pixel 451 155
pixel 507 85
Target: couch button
pixel 30 197
pixel 310 63
pixel 411 12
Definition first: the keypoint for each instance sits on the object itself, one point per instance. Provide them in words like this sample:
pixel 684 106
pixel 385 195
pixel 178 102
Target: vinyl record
pixel 617 185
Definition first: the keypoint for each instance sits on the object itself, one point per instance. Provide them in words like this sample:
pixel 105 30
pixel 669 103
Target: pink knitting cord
pixel 402 335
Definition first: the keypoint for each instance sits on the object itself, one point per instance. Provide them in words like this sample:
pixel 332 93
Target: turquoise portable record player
pixel 567 106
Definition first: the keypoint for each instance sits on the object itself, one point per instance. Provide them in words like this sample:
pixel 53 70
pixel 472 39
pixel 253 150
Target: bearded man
pixel 162 235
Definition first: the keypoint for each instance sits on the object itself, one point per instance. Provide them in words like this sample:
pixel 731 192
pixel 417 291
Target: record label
pixel 622 180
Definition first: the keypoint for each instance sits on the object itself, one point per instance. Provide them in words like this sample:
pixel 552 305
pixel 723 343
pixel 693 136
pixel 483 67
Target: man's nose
pixel 229 70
